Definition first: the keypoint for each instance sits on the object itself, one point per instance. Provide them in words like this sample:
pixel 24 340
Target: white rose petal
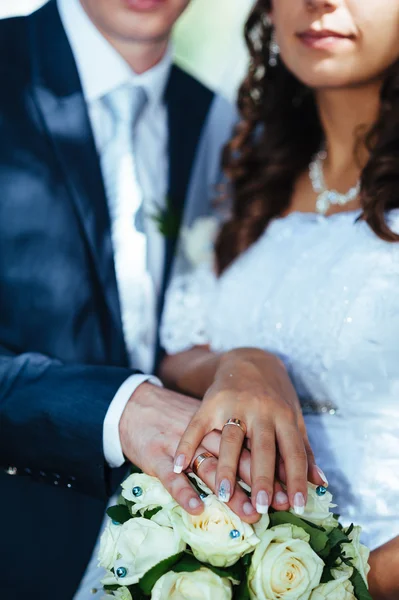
pixel 317 509
pixel 199 585
pixel 199 239
pixel 141 545
pixel 153 493
pixel 284 566
pixel 209 536
pixel 107 553
pixel 339 589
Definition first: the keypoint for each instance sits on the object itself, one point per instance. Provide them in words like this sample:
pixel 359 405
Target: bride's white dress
pixel 323 294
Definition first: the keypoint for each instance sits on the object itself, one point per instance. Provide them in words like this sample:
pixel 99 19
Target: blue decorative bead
pixel 137 491
pixel 115 522
pixel 121 572
pixel 321 490
pixel 234 534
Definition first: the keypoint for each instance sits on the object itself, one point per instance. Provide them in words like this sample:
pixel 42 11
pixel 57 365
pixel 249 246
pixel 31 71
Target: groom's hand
pixel 150 430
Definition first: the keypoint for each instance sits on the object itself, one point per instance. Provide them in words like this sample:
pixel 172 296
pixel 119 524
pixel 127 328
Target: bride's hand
pixel 254 387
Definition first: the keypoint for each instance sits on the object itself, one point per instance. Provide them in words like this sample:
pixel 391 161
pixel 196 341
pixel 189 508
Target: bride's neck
pixel 344 115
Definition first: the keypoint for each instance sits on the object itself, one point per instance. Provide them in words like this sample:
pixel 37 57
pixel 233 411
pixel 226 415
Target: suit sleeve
pixel 52 417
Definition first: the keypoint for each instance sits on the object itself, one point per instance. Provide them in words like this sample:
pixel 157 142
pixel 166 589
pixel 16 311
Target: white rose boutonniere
pixel 141 545
pixel 145 492
pixel 284 566
pixel 217 536
pixel 339 589
pixel 198 241
pixel 202 584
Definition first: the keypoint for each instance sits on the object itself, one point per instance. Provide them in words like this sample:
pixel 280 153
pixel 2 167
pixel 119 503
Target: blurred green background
pixel 208 39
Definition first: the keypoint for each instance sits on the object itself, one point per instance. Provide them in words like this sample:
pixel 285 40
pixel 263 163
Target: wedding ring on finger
pixel 237 423
pixel 199 460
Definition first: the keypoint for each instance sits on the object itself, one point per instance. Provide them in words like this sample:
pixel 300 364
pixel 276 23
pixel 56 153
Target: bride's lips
pixel 143 5
pixel 323 40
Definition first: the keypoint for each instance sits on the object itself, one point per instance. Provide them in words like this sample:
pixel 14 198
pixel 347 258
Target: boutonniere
pixel 167 220
pixel 198 240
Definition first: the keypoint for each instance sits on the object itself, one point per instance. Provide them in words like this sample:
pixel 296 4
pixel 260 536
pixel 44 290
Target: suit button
pixel 11 470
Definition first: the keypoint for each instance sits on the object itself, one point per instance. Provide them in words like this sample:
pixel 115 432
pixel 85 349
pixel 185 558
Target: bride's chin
pixel 319 81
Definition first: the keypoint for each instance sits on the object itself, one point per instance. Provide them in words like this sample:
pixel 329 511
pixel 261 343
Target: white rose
pixel 199 585
pixel 107 553
pixel 338 589
pixel 141 545
pixel 199 239
pixel 359 555
pixel 210 535
pixel 284 566
pixel 150 493
pixel 317 509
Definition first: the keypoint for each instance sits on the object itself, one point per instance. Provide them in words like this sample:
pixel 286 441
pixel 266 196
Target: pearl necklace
pixel 326 197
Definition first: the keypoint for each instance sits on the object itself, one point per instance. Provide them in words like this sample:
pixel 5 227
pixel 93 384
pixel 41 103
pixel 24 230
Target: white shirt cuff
pixel 111 441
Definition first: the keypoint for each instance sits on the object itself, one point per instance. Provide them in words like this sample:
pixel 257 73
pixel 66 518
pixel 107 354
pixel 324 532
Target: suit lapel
pixel 60 101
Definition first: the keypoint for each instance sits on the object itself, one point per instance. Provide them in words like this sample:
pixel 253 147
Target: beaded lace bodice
pixel 323 294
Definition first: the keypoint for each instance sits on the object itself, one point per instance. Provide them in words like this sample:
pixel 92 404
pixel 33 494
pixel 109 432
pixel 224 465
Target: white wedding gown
pixel 322 294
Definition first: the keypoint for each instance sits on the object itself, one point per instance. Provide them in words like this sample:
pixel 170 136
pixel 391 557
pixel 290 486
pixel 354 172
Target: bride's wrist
pixel 253 355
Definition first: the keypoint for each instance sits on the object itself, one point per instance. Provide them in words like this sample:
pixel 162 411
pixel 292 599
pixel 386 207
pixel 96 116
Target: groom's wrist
pixel 112 445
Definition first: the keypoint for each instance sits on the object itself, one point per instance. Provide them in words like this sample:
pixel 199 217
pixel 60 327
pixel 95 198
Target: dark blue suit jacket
pixel 62 353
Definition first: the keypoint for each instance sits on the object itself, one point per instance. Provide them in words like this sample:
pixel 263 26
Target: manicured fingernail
pixel 262 503
pixel 299 504
pixel 194 503
pixel 324 478
pixel 179 463
pixel 281 498
pixel 224 491
pixel 248 509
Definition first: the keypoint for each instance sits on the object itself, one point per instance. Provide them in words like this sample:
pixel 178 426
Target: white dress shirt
pixel 102 70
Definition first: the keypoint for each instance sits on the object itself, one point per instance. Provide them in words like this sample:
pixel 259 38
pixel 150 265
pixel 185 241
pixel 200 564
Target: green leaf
pixel 326 575
pixel 246 560
pixel 137 593
pixel 188 563
pixel 147 582
pixel 168 220
pixel 148 514
pixel 318 537
pixel 335 538
pixel 361 591
pixel 111 588
pixel 242 592
pixel 119 513
pixel 349 530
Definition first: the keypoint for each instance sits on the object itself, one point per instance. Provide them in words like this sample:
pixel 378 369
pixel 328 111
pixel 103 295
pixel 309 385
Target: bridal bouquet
pixel 153 549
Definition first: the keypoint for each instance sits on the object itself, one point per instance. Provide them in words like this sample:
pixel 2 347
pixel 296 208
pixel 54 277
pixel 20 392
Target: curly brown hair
pixel 277 137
